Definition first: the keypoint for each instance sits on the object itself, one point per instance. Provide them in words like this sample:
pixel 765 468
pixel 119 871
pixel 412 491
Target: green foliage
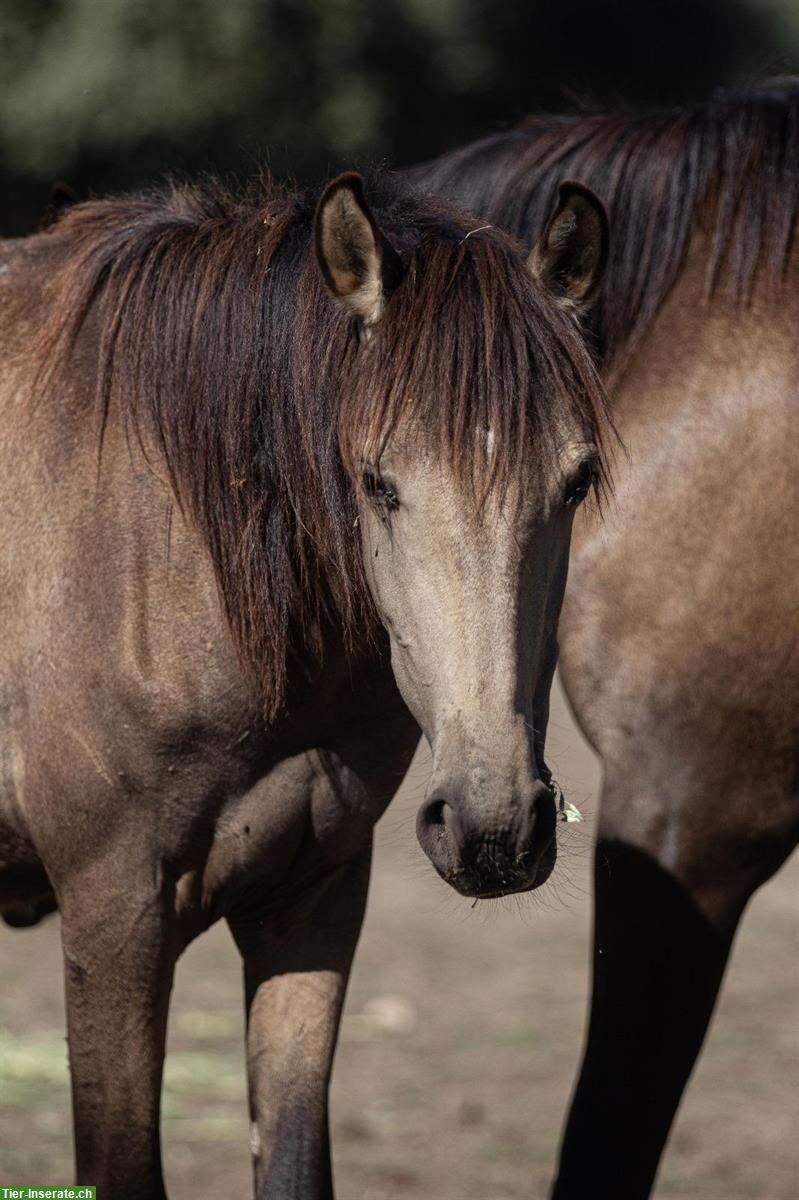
pixel 109 74
pixel 111 93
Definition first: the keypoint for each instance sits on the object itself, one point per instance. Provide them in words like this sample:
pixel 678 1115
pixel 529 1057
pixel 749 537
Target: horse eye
pixel 581 482
pixel 379 490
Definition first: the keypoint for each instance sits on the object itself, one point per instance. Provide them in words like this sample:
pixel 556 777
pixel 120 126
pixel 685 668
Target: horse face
pixel 468 591
pixel 471 600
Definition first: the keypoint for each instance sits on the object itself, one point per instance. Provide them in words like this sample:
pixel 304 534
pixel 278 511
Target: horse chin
pixel 468 883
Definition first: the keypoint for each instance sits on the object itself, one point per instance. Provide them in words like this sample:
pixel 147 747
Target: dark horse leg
pixel 661 944
pixel 119 954
pixel 297 960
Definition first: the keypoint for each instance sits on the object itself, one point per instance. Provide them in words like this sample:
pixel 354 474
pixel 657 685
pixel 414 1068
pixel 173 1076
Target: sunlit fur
pixel 726 166
pixel 228 358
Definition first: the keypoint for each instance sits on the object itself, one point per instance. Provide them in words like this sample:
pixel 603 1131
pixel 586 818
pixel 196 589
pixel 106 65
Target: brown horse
pixel 231 428
pixel 680 630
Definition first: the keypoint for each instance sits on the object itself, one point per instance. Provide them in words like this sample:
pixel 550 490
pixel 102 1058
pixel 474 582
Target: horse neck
pixel 699 324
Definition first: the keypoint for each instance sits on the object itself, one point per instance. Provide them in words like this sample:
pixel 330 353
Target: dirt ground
pixel 459 1046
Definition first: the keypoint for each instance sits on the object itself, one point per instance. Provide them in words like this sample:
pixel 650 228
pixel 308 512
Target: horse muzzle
pixel 486 850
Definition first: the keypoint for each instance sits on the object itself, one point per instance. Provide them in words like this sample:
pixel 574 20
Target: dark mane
pixel 731 164
pixel 220 348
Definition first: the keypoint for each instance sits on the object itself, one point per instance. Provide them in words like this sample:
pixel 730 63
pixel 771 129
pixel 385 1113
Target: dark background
pixel 111 94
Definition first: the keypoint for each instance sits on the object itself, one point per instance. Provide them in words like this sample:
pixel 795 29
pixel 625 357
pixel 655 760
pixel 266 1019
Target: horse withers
pixel 233 432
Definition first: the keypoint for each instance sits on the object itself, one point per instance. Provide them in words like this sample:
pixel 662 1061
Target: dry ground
pixel 459 1046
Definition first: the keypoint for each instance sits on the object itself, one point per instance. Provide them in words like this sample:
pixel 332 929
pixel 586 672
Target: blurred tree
pixel 107 75
pixel 113 93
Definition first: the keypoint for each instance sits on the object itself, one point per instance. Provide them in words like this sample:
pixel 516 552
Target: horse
pixel 679 646
pixel 285 478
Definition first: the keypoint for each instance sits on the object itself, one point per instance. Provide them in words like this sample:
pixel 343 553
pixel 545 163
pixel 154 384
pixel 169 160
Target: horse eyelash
pixel 379 491
pixel 580 484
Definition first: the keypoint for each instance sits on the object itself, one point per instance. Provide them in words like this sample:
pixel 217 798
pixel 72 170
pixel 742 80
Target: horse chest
pixel 304 816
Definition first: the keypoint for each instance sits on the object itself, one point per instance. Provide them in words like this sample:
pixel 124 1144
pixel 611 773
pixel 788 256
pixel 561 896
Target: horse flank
pixel 218 347
pixel 729 167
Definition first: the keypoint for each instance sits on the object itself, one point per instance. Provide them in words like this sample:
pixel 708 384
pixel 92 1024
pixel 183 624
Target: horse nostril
pixel 437 817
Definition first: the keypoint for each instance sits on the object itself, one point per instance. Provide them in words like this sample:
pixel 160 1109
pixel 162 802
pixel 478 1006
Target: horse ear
pixel 569 259
pixel 358 264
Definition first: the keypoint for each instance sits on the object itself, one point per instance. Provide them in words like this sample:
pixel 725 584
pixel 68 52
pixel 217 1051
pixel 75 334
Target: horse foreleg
pixel 118 962
pixel 669 893
pixel 657 969
pixel 296 965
